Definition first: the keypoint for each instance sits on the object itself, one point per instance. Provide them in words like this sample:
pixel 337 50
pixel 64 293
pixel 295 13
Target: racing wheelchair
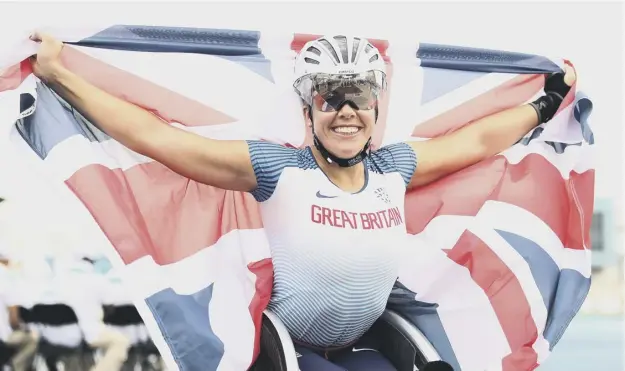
pixel 397 339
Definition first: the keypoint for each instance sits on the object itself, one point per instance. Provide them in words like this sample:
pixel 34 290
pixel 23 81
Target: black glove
pixel 555 91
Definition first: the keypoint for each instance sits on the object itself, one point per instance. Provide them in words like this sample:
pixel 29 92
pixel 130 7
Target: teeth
pixel 346 129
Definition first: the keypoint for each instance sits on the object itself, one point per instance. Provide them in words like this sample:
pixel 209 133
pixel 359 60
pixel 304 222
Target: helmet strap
pixel 331 158
pixel 342 162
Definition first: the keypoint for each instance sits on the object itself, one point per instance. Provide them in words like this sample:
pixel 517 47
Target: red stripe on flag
pixel 150 210
pixel 169 105
pixel 533 184
pixel 13 76
pixel 537 186
pixel 581 195
pixel 521 359
pixel 264 284
pixel 507 95
pixel 505 294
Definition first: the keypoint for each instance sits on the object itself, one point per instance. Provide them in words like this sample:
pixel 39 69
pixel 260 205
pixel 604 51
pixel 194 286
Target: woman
pixel 333 212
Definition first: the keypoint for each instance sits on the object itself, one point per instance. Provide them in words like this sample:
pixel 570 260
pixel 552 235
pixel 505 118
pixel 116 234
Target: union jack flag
pixel 501 258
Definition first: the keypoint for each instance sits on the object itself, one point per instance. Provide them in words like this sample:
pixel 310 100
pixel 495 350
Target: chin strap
pixel 342 162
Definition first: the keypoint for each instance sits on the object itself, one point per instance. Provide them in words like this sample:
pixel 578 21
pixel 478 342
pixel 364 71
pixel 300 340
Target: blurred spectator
pixel 14 334
pixel 85 290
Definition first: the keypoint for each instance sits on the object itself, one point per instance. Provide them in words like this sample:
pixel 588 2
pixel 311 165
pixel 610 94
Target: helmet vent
pixel 355 45
pixel 327 44
pixel 373 58
pixel 311 61
pixel 342 41
pixel 314 50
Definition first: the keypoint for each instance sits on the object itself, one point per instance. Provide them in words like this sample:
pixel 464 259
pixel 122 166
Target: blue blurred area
pixel 102 265
pixel 592 342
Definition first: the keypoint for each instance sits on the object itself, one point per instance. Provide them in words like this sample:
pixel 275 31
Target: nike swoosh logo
pixel 324 196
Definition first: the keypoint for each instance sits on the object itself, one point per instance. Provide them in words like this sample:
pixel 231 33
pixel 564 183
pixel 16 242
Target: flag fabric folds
pixel 499 252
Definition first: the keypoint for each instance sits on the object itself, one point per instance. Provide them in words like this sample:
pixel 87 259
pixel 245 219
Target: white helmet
pixel 339 69
pixel 338 55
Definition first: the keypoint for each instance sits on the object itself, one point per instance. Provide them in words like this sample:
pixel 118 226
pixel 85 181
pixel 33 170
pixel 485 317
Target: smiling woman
pixel 342 113
pixel 415 20
pixel 341 80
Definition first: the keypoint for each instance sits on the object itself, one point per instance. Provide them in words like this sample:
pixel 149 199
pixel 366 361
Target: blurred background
pixel 47 234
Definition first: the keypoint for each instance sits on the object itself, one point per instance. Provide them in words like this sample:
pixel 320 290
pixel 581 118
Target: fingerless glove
pixel 555 91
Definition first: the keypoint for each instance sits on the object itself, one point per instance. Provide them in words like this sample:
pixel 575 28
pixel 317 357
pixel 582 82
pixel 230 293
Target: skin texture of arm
pixel 475 142
pixel 471 144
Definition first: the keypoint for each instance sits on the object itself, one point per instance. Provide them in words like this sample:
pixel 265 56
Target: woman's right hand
pixel 47 62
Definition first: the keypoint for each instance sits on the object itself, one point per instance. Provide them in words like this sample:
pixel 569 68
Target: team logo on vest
pixel 380 219
pixel 382 195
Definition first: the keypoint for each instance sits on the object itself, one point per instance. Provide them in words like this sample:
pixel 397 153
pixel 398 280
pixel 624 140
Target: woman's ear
pixel 308 116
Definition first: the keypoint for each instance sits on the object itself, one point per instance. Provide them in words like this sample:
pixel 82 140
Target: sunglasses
pixel 328 93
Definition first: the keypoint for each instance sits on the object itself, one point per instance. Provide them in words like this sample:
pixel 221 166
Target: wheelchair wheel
pixel 271 356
